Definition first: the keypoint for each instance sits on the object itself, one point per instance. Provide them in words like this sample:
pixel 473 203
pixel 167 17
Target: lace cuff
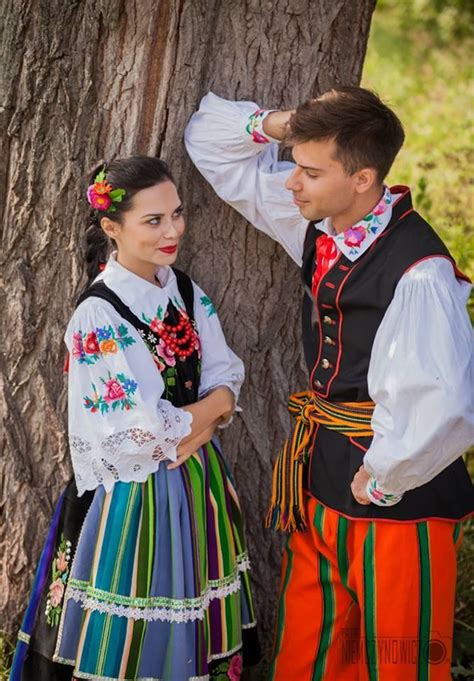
pixel 128 455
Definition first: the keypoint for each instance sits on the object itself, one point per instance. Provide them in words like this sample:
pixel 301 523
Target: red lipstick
pixel 169 249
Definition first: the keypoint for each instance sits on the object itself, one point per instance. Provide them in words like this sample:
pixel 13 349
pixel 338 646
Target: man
pixel 372 478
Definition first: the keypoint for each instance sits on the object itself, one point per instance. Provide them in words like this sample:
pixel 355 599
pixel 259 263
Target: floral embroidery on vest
pixel 118 393
pixel 88 347
pixel 60 572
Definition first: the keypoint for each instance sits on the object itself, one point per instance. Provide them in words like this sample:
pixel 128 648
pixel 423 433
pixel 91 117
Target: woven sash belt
pixel 352 419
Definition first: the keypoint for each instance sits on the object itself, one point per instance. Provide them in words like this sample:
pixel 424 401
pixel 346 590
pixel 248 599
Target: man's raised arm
pixel 234 146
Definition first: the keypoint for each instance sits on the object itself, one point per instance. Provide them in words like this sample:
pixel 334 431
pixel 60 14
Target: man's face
pixel 320 185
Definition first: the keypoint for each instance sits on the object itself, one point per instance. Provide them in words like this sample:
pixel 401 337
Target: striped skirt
pixel 158 588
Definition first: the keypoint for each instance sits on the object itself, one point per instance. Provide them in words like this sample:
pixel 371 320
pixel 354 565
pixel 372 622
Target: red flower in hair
pixel 101 196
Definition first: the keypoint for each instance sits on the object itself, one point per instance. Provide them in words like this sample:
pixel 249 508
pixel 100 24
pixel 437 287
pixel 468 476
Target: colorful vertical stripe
pixel 370 619
pixel 327 627
pixel 425 601
pixel 164 590
pixel 367 601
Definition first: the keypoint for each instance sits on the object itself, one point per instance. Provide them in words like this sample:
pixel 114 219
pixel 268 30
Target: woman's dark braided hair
pixel 131 174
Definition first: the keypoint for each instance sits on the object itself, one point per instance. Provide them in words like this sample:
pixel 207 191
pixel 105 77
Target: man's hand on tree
pixel 276 123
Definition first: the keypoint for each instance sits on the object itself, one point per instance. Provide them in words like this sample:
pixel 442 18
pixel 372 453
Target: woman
pixel 144 574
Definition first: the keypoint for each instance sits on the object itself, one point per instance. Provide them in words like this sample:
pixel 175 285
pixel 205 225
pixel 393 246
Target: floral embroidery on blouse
pixel 161 314
pixel 371 224
pixel 380 498
pixel 207 303
pixel 253 127
pixel 118 391
pixel 88 347
pixel 60 572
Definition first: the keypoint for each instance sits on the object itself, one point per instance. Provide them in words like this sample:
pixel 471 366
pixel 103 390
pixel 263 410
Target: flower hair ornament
pixel 101 196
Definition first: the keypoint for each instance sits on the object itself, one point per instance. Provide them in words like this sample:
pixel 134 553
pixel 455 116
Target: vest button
pixel 328 320
pixel 329 341
pixel 318 384
pixel 325 363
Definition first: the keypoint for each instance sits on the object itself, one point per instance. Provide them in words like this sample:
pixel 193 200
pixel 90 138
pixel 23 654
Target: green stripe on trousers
pixel 370 619
pixel 425 601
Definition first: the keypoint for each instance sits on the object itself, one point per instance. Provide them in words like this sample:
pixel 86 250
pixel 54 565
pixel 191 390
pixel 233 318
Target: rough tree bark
pixel 95 79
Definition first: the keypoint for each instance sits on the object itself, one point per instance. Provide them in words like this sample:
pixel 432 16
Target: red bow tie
pixel 326 250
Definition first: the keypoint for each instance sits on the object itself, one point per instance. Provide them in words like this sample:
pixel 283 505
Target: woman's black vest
pixel 338 335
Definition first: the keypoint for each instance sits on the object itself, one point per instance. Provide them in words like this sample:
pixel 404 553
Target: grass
pixel 6 654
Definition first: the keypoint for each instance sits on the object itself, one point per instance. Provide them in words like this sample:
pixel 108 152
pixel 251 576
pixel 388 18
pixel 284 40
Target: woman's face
pixel 150 232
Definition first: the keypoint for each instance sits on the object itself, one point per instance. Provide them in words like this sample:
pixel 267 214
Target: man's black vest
pixel 338 335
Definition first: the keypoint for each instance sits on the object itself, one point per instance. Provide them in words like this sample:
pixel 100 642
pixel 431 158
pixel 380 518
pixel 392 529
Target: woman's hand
pixel 217 405
pixel 191 444
pixel 359 486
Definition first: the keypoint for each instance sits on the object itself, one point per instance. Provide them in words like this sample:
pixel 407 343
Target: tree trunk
pixel 96 79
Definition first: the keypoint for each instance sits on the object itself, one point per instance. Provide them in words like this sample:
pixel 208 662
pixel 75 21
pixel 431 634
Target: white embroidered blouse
pixel 421 369
pixel 120 425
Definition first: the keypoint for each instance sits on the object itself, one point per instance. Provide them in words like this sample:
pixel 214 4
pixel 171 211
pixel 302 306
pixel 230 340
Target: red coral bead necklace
pixel 169 335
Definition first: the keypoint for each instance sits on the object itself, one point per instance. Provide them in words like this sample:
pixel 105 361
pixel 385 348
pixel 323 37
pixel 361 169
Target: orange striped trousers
pixel 366 601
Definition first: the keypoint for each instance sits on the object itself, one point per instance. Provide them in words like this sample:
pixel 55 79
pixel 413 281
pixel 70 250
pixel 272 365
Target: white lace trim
pixel 94 677
pixel 152 614
pixel 25 638
pixel 128 455
pixel 177 613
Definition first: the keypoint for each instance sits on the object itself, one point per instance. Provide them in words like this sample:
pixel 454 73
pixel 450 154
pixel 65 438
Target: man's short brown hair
pixel 366 131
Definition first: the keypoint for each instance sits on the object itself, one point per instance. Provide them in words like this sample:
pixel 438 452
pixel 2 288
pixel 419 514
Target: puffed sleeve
pixel 420 378
pixel 220 365
pixel 225 141
pixel 119 427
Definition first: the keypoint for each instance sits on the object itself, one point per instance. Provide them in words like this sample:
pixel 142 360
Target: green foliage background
pixel 419 61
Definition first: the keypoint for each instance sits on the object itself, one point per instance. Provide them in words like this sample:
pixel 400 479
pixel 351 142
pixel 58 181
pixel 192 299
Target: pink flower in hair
pixel 102 196
pixel 99 201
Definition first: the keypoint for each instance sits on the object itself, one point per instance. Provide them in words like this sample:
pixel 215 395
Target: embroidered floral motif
pixel 154 322
pixel 354 236
pixel 118 391
pixel 60 572
pixel 371 224
pixel 88 347
pixel 235 668
pixel 381 498
pixel 165 354
pixel 231 668
pixel 253 126
pixel 207 303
